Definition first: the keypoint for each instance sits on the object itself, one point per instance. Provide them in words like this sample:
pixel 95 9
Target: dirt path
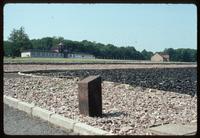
pixel 31 67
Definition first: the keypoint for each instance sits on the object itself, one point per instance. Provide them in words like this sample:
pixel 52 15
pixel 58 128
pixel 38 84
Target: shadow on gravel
pixel 114 114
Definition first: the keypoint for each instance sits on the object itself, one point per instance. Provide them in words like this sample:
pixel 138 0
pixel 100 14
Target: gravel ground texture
pixel 181 80
pixel 127 110
pixel 32 67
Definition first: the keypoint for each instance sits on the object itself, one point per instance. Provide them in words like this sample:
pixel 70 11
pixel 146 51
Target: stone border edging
pixel 53 118
pixel 25 74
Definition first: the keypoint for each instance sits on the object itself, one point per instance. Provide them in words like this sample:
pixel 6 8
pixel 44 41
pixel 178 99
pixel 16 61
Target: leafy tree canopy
pixel 19 41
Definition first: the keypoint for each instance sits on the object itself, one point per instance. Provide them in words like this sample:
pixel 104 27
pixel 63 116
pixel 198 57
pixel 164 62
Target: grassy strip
pixel 62 60
pixel 41 60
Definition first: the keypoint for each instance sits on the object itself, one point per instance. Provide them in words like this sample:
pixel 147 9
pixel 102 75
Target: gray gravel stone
pixel 180 80
pixel 124 105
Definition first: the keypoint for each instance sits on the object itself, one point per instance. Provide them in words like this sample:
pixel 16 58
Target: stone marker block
pixel 174 129
pixel 89 95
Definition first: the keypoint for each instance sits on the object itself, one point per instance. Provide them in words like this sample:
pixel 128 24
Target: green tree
pixel 172 54
pixel 146 54
pixel 182 54
pixel 45 43
pixel 57 40
pixel 7 46
pixel 19 41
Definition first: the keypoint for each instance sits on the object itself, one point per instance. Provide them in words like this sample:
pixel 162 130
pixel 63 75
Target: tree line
pixel 19 41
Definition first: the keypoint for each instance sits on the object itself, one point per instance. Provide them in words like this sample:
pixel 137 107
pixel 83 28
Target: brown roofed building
pixel 160 57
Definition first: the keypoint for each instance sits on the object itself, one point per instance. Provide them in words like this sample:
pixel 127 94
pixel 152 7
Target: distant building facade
pixel 56 52
pixel 44 54
pixel 160 57
pixel 41 54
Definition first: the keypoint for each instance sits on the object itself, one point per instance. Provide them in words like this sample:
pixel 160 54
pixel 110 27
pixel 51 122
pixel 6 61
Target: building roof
pixel 55 52
pixel 38 51
pixel 164 55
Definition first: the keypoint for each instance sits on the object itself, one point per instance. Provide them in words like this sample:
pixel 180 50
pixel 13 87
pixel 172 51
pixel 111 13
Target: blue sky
pixel 145 26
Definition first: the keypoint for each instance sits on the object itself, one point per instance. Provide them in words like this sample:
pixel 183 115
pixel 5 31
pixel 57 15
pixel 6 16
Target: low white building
pixel 41 54
pixel 45 54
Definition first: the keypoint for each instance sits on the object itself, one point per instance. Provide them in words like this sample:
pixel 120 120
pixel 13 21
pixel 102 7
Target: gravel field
pixel 181 80
pixel 29 67
pixel 127 110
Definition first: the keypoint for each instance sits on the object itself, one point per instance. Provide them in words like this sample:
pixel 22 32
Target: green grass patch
pixel 60 60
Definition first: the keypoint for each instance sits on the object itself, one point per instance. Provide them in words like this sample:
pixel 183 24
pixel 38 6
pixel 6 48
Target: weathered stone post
pixel 89 95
